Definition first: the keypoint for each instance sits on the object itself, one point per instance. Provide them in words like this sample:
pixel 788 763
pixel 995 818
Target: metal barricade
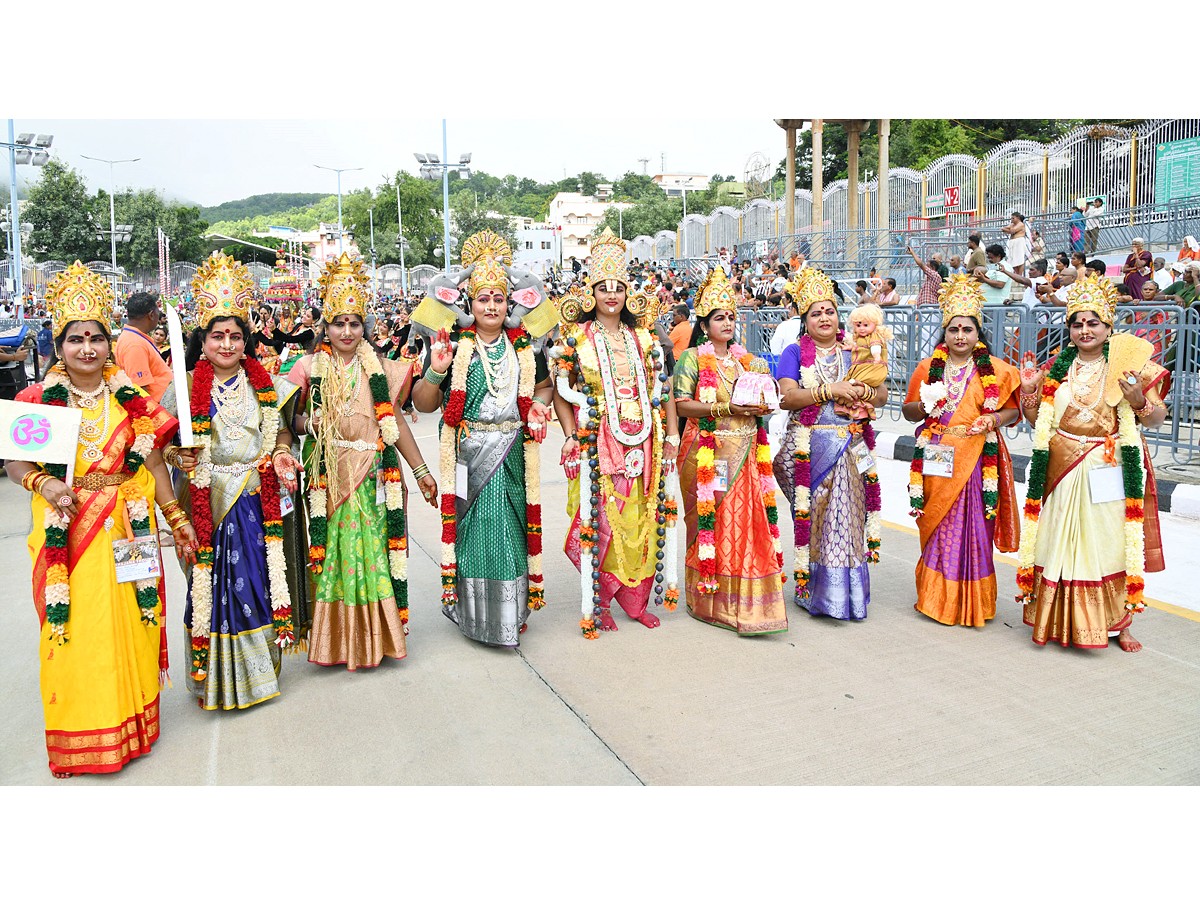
pixel 1013 331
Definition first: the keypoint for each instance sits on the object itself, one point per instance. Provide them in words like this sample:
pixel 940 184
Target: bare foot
pixel 648 619
pixel 1128 642
pixel 606 621
pixel 524 626
pixel 63 774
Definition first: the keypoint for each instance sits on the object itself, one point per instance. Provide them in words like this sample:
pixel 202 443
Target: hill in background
pixel 258 205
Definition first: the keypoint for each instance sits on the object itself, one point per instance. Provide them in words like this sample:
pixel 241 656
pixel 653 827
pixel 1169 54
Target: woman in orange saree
pixel 961 484
pixel 103 652
pixel 734 563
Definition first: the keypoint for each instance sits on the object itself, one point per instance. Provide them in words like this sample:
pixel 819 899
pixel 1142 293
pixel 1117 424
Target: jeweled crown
pixel 960 295
pixel 222 287
pixel 1094 293
pixel 76 294
pixel 715 293
pixel 608 259
pixel 809 286
pixel 344 288
pixel 489 253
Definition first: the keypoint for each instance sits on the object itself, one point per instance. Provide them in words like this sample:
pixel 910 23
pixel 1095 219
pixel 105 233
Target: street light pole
pixel 339 196
pixel 445 199
pixel 112 209
pixel 18 281
pixel 400 238
pixel 371 220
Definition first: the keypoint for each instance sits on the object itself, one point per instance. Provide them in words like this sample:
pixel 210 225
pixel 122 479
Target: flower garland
pixel 593 485
pixel 393 480
pixel 1129 442
pixel 706 509
pixel 802 458
pixel 58 593
pixel 452 419
pixel 933 426
pixel 201 503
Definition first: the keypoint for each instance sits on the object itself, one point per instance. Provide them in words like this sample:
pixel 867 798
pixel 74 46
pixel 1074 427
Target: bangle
pixel 1147 410
pixel 28 478
pixel 544 403
pixel 435 378
pixel 672 439
pixel 420 471
pixel 280 449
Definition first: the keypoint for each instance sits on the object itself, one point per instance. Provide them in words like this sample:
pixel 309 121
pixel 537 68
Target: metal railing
pixel 1013 331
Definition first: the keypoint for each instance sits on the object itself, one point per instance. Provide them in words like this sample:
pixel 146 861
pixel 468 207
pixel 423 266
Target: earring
pixel 589 300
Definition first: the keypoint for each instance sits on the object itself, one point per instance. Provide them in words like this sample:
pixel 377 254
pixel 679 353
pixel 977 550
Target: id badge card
pixel 137 558
pixel 939 461
pixel 286 504
pixel 1107 484
pixel 721 475
pixel 460 481
pixel 862 457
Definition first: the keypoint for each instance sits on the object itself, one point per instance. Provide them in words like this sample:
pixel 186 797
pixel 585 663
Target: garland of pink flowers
pixel 706 505
pixel 802 512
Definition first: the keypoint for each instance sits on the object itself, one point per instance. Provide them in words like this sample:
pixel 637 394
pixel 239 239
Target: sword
pixel 183 403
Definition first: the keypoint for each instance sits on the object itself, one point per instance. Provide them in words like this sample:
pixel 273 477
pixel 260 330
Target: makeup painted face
pixel 489 308
pixel 345 332
pixel 85 348
pixel 961 334
pixel 721 325
pixel 822 321
pixel 610 301
pixel 1088 332
pixel 225 344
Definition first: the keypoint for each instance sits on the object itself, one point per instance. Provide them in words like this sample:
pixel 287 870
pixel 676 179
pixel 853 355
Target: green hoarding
pixel 1177 170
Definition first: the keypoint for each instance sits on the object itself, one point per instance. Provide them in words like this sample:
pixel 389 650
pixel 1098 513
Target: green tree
pixel 654 214
pixel 63 217
pixel 467 217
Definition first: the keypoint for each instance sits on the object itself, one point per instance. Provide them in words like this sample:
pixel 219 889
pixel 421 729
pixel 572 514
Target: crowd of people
pixel 288 506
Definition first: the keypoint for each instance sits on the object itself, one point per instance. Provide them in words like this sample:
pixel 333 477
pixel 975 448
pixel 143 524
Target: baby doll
pixel 868 360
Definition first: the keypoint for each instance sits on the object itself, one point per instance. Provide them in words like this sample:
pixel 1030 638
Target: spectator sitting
pixel 1037 289
pixel 787 331
pixel 1123 294
pixel 1162 275
pixel 956 266
pixel 885 294
pixel 1184 290
pixel 860 288
pixel 776 293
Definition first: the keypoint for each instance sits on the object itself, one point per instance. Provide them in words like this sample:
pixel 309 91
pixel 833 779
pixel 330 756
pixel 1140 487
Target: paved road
pixel 896 699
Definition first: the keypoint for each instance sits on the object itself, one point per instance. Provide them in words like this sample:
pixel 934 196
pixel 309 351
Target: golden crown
pixel 222 287
pixel 608 259
pixel 809 286
pixel 1094 293
pixel 715 293
pixel 489 253
pixel 960 295
pixel 76 294
pixel 344 288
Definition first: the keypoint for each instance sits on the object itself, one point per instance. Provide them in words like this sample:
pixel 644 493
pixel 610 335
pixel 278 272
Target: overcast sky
pixel 211 161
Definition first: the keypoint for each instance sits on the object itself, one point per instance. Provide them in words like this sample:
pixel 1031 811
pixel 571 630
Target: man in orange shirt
pixel 136 353
pixel 681 329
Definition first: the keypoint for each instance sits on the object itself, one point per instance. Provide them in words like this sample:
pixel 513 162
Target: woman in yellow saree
pixel 103 653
